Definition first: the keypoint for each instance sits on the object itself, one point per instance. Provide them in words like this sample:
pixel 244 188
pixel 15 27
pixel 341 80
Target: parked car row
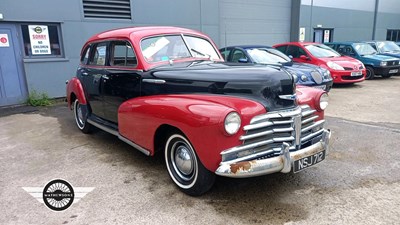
pixel 167 90
pixel 336 62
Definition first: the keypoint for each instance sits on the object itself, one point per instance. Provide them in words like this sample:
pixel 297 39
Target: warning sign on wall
pixel 4 41
pixel 40 41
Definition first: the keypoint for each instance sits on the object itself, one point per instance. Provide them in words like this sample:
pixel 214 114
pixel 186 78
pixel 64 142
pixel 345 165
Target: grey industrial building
pixel 29 64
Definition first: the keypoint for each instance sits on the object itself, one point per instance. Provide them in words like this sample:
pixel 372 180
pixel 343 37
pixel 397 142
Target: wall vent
pixel 110 9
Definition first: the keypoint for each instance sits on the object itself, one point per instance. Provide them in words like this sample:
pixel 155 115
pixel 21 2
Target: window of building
pixel 42 40
pixel 393 35
pixel 98 56
pixel 122 54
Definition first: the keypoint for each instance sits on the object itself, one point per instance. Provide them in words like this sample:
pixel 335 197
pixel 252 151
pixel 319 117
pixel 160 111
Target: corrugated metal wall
pixel 254 21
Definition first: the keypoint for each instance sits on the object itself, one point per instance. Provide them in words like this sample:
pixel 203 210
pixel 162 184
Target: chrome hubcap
pixel 79 115
pixel 182 160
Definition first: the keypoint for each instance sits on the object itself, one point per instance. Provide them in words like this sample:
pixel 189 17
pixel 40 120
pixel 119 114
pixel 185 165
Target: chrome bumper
pixel 282 163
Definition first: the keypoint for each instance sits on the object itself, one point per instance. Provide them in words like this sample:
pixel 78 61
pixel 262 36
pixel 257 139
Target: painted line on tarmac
pixel 372 126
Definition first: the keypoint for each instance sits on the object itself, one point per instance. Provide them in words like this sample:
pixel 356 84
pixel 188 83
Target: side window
pixel 225 54
pixel 373 45
pixel 98 56
pixel 122 54
pixel 293 51
pixel 341 49
pixel 302 52
pixel 282 49
pixel 238 54
pixel 85 56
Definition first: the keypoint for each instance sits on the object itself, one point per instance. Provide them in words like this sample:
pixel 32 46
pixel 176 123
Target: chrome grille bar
pixel 266 132
pixel 314 125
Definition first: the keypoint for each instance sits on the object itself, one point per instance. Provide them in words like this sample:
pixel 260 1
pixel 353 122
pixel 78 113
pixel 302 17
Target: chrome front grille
pixel 266 133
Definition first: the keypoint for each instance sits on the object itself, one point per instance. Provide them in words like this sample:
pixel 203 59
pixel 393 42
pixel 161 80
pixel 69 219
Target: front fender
pixel 309 96
pixel 199 117
pixel 74 86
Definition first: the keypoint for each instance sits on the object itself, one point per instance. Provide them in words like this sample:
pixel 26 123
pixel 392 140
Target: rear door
pixel 121 80
pixel 92 76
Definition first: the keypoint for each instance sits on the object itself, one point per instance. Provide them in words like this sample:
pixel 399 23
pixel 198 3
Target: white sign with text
pixel 40 40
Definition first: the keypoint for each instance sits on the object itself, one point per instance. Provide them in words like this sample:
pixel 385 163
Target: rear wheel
pixel 184 167
pixel 370 73
pixel 81 117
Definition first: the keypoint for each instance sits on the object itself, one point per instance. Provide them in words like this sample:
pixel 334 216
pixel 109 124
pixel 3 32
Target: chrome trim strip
pixel 116 133
pixel 131 143
pixel 154 81
pixel 101 126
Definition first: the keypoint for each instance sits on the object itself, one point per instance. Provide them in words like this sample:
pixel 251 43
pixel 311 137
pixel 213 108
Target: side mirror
pixel 243 60
pixel 303 57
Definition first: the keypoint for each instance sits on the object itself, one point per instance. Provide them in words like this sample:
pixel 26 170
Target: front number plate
pixel 358 73
pixel 393 71
pixel 308 161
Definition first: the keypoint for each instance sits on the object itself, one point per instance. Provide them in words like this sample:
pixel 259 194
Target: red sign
pixel 4 40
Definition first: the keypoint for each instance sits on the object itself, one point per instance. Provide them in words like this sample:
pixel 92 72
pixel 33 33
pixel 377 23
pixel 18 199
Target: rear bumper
pixel 282 163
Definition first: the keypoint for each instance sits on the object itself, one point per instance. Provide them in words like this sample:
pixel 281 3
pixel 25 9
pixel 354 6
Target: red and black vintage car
pixel 166 90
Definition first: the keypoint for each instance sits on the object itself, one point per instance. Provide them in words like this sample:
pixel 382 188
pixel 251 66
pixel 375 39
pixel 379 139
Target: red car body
pixel 349 70
pixel 192 97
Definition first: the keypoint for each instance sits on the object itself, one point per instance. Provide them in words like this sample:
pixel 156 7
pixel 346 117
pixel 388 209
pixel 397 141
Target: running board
pixel 113 131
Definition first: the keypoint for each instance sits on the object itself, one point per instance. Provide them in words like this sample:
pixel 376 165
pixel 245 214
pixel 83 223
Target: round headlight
pixel 303 78
pixel 232 123
pixel 323 101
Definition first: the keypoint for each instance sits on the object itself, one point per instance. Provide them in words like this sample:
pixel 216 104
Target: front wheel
pixel 184 167
pixel 80 118
pixel 370 73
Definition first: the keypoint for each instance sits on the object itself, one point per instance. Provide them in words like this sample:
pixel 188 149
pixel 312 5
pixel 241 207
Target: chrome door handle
pixel 105 77
pixel 85 74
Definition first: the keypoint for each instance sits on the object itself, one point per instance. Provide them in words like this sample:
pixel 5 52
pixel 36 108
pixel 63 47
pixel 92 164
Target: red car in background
pixel 343 69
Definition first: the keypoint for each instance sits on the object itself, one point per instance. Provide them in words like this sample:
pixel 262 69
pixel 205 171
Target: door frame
pixel 15 43
pixel 323 29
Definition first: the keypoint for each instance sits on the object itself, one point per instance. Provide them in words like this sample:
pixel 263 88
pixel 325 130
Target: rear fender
pixel 74 86
pixel 199 117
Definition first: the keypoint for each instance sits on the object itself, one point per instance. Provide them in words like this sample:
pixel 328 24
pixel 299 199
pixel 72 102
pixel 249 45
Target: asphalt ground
pixel 358 183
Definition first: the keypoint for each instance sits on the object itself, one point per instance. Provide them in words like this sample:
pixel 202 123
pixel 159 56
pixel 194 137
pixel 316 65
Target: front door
pixel 12 80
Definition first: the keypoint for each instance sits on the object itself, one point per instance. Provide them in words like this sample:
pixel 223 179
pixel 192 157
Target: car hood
pixel 379 57
pixel 392 54
pixel 303 67
pixel 343 61
pixel 260 83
